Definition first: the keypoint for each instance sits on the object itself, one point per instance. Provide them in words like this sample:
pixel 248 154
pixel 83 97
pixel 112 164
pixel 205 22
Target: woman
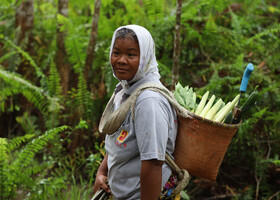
pixel 134 163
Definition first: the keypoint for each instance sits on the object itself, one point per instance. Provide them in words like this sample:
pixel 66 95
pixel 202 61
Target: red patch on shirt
pixel 122 136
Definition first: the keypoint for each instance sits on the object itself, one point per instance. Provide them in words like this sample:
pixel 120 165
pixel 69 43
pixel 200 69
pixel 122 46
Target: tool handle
pixel 246 76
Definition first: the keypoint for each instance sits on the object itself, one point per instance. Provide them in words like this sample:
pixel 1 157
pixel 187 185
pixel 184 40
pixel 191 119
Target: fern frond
pixel 27 154
pixel 7 55
pixel 264 33
pixel 155 9
pixel 17 141
pixel 4 183
pixel 235 23
pixel 33 93
pixel 82 125
pixel 19 85
pixel 13 78
pixel 24 165
pixel 5 93
pixel 38 168
pixel 110 80
pixel 38 71
pixel 52 119
pixel 54 86
pixel 28 124
pixel 84 99
pixel 76 55
pixel 65 23
pixel 3 150
pixel 74 47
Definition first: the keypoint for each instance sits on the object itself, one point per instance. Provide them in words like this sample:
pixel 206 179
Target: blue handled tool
pixel 243 88
pixel 245 79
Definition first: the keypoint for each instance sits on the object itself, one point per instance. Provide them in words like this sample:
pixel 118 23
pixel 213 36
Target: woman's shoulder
pixel 151 96
pixel 153 102
pixel 147 94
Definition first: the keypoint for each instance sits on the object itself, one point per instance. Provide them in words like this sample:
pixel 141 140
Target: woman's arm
pixel 101 176
pixel 150 179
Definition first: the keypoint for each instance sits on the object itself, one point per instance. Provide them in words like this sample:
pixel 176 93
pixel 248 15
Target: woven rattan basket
pixel 201 145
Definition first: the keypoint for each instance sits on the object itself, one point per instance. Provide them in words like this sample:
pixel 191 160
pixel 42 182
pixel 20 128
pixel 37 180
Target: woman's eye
pixel 131 54
pixel 115 52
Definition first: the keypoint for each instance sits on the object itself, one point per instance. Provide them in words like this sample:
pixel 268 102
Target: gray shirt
pixel 152 134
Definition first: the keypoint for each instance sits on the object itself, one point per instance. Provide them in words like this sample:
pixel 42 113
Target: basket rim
pixel 231 126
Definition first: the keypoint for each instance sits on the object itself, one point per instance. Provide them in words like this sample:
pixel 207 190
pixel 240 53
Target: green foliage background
pixel 49 144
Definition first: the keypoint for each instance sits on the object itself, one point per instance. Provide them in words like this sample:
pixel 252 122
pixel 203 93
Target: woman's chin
pixel 124 77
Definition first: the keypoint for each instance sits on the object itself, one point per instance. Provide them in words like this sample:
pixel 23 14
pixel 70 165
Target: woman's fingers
pixel 100 183
pixel 105 187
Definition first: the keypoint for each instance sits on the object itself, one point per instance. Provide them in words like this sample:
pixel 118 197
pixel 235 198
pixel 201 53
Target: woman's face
pixel 125 58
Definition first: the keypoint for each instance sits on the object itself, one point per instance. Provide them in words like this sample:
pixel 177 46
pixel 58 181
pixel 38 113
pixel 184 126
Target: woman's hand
pixel 150 179
pixel 100 182
pixel 101 177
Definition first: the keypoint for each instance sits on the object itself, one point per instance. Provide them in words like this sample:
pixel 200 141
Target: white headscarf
pixel 148 63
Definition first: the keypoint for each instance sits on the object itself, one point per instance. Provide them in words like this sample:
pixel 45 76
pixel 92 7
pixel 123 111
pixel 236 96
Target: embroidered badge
pixel 122 135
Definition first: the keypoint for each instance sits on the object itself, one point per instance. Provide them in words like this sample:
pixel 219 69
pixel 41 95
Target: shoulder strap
pixel 166 93
pixel 112 120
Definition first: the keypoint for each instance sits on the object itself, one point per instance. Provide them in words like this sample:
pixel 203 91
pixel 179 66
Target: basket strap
pixel 172 164
pixel 182 174
pixel 111 120
pixel 164 92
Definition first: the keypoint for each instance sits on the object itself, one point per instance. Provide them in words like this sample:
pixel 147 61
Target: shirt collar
pixel 150 77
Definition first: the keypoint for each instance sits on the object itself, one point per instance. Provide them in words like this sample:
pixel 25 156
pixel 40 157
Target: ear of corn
pixel 211 113
pixel 221 117
pixel 218 111
pixel 207 107
pixel 202 103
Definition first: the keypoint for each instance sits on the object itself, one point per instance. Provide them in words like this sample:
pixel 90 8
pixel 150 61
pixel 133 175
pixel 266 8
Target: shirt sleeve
pixel 151 125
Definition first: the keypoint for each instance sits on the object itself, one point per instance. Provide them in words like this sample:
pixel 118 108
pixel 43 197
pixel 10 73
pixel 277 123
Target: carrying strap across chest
pixel 111 120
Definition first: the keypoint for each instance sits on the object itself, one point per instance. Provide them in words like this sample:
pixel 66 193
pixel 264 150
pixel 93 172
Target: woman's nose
pixel 122 59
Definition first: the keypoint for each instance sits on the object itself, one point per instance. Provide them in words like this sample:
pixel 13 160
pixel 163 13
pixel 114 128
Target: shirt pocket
pixel 125 139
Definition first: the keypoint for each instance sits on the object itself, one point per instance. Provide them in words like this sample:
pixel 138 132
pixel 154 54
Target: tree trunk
pixel 24 24
pixel 92 41
pixel 61 55
pixel 176 51
pixel 25 21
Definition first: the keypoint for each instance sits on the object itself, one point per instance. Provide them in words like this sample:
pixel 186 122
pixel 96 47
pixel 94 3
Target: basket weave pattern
pixel 201 145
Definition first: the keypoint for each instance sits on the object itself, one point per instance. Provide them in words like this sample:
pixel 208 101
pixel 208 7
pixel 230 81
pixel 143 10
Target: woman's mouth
pixel 122 70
